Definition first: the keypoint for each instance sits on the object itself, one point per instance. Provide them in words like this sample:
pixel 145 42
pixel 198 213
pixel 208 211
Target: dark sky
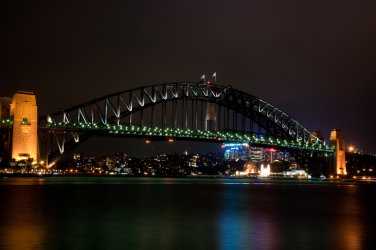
pixel 315 60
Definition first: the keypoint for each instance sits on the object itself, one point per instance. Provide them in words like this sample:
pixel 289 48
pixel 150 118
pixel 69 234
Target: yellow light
pixel 147 141
pixel 351 148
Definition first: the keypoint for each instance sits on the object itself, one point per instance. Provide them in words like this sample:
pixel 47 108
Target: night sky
pixel 315 60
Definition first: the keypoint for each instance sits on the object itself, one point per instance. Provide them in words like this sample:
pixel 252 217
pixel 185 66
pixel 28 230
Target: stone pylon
pixel 25 126
pixel 337 140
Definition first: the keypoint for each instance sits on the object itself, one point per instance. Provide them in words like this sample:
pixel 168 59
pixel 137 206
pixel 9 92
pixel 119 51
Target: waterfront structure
pixel 337 140
pixel 25 124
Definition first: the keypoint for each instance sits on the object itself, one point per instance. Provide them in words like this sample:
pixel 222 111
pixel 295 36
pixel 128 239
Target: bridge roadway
pixel 157 133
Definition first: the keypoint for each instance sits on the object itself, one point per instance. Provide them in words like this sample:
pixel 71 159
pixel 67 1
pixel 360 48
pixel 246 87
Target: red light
pixel 209 82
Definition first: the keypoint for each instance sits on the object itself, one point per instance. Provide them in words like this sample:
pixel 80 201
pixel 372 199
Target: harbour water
pixel 185 213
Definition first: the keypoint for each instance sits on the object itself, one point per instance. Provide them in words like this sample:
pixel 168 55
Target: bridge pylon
pixel 337 140
pixel 25 126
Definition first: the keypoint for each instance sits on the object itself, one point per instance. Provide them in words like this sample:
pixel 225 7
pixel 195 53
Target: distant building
pixel 193 161
pixel 256 154
pixel 110 161
pixel 78 159
pixel 233 151
pixel 236 151
pixel 78 156
pixel 271 155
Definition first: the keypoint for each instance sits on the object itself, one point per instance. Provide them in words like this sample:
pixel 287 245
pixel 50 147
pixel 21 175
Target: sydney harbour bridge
pixel 196 111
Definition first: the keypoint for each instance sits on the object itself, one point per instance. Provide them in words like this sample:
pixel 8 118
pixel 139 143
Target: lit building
pixel 268 154
pixel 78 156
pixel 256 154
pixel 296 173
pixel 78 159
pixel 25 124
pixel 249 169
pixel 271 155
pixel 161 158
pixel 235 151
pixel 193 161
pixel 121 159
pixel 110 161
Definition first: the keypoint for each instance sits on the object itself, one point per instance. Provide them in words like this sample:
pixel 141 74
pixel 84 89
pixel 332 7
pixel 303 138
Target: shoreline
pixel 240 178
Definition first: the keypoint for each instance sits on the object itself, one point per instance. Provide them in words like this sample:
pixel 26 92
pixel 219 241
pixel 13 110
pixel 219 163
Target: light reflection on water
pixel 349 226
pixel 166 213
pixel 241 227
pixel 20 224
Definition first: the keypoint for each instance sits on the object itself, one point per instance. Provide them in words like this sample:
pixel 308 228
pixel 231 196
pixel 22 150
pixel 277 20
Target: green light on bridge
pixel 197 134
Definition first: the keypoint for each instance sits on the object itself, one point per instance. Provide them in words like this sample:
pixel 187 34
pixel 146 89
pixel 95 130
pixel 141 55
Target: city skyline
pixel 315 63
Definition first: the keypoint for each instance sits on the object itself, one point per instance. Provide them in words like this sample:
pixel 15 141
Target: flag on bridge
pixel 203 78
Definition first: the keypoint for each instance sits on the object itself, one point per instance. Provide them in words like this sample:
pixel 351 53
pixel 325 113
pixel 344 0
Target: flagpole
pixel 203 78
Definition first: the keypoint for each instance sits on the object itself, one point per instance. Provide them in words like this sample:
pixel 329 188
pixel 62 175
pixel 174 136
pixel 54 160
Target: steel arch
pixel 111 108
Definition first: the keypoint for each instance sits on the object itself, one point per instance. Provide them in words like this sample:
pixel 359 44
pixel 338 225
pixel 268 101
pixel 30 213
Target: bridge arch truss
pixel 181 105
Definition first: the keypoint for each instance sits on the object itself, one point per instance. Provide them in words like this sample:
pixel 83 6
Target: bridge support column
pixel 337 140
pixel 25 127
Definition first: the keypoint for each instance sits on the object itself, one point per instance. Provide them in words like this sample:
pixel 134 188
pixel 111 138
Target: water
pixel 164 213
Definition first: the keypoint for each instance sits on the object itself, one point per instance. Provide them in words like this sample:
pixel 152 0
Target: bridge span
pixel 185 111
